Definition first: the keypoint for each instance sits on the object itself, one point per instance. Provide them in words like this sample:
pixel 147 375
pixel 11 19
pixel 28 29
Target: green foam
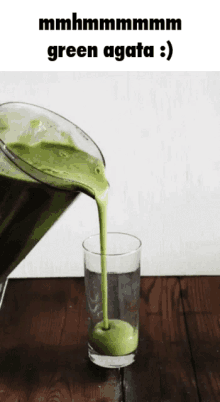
pixel 64 161
pixel 120 339
pixel 3 125
pixel 35 123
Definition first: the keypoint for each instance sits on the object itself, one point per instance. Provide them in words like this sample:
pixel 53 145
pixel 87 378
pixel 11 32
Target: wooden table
pixel 43 344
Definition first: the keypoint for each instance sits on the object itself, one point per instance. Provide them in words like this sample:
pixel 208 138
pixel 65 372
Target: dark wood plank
pixel 43 338
pixel 201 298
pixel 163 369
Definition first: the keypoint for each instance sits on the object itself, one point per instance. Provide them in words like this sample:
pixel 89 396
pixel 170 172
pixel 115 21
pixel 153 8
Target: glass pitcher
pixel 34 192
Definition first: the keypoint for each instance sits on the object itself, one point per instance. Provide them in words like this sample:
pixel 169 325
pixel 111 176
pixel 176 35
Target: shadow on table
pixel 29 363
pixel 55 373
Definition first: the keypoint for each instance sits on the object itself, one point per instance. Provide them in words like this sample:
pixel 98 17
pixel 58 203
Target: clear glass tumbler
pixel 116 346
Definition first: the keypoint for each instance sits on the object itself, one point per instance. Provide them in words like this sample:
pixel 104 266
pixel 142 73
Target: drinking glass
pixel 117 346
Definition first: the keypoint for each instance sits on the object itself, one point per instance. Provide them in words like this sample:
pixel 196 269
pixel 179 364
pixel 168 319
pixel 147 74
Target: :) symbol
pixel 170 50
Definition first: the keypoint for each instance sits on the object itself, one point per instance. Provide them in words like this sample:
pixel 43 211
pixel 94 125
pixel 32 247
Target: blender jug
pixel 35 184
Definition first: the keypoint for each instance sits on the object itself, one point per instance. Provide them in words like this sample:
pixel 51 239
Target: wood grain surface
pixel 43 338
pixel 43 341
pixel 163 369
pixel 201 300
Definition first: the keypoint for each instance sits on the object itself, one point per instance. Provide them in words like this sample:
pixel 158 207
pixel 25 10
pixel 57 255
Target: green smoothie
pixel 87 174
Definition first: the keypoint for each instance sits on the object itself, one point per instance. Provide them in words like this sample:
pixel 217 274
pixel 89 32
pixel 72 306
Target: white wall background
pixel 160 135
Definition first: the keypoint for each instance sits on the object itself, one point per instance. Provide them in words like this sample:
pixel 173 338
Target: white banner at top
pixel 109 36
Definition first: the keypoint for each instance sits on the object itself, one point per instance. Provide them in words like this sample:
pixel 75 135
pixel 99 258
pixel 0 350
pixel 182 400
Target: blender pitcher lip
pixel 57 114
